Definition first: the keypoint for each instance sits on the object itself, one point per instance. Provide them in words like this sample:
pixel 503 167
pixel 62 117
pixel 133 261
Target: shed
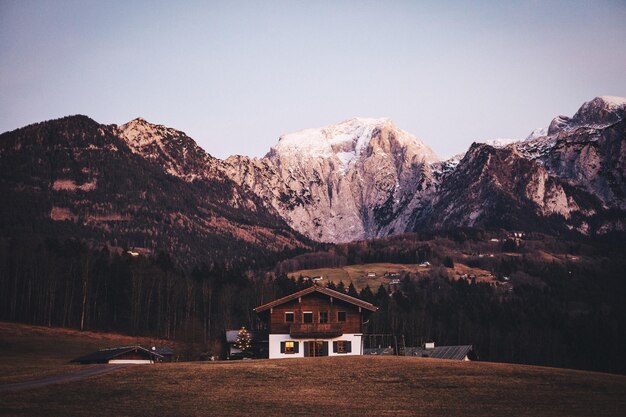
pixel 460 353
pixel 167 353
pixel 127 354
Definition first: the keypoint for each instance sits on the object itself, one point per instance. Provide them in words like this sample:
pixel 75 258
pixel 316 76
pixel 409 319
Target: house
pixel 316 321
pixel 127 354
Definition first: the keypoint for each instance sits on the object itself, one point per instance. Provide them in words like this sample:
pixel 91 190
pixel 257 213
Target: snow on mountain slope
pixel 343 182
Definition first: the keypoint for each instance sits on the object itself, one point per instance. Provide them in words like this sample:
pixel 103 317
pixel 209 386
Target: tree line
pixel 549 313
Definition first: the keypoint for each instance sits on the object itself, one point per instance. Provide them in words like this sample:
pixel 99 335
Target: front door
pixel 315 348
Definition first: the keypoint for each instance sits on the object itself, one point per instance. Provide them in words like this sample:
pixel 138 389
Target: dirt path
pixel 72 377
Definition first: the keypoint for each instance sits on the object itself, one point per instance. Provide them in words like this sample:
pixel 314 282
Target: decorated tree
pixel 244 341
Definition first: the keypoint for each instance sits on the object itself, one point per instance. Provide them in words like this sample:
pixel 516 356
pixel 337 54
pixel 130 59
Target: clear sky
pixel 236 75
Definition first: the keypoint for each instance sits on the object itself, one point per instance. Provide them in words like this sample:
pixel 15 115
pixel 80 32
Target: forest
pixel 557 314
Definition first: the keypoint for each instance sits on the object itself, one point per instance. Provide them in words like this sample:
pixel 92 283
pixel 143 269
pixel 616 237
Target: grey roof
pixel 105 355
pixel 164 350
pixel 378 351
pixel 442 352
pixel 231 335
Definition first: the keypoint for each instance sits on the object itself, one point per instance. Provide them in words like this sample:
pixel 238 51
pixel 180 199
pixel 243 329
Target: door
pixel 315 348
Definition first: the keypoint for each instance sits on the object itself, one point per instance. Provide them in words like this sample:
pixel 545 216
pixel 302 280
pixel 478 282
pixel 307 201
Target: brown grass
pixel 32 352
pixel 348 386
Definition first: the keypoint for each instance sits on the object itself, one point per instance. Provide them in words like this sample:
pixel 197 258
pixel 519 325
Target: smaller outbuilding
pixel 459 353
pixel 168 354
pixel 127 354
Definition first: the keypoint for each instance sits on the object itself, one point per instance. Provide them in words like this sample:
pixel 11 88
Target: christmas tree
pixel 244 341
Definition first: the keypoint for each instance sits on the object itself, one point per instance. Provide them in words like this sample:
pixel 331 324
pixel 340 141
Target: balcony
pixel 315 330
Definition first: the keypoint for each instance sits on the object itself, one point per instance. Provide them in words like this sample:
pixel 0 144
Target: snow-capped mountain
pixel 153 187
pixel 353 180
pixel 572 176
pixel 366 178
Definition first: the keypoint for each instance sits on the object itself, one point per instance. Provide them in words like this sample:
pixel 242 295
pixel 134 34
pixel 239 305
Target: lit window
pixel 289 317
pixel 307 317
pixel 289 347
pixel 341 316
pixel 323 316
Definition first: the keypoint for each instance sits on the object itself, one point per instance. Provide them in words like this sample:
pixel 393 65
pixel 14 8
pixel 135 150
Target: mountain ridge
pixel 361 178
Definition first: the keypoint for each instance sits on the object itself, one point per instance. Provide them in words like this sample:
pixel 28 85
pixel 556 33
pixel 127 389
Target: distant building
pixel 127 354
pixel 168 354
pixel 429 350
pixel 316 321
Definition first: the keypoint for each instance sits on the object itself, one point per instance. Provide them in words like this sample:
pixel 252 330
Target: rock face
pixel 365 178
pixel 572 178
pixel 138 186
pixel 358 179
pixel 152 188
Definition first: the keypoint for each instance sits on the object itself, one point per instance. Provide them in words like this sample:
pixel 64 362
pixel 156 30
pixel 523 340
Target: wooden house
pixel 316 321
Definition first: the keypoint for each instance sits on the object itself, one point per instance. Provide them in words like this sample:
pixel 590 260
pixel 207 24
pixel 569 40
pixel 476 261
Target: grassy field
pixel 357 274
pixel 344 386
pixel 28 352
pixel 348 386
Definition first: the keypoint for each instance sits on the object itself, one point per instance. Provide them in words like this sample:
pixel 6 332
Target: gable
pixel 321 293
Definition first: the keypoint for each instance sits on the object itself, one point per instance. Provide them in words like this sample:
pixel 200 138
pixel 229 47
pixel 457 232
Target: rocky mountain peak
pixel 598 113
pixel 349 141
pixel 181 155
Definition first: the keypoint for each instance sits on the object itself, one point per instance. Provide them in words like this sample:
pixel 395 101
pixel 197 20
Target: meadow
pixel 346 386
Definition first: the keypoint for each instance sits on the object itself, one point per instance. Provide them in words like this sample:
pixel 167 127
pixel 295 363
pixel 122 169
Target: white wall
pixel 275 340
pixel 135 361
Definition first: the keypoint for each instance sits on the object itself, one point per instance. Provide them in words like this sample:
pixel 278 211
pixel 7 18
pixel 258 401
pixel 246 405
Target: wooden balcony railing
pixel 315 330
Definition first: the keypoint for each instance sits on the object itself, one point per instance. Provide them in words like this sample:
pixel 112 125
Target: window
pixel 342 346
pixel 341 316
pixel 289 317
pixel 307 317
pixel 289 347
pixel 323 316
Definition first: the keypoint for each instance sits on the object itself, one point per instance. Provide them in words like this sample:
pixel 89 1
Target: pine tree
pixel 244 341
pixel 352 291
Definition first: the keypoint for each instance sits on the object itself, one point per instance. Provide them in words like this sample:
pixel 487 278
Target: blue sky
pixel 236 75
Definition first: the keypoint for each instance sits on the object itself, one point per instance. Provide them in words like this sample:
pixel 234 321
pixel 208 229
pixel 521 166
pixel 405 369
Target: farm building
pixel 316 321
pixel 168 354
pixel 459 353
pixel 128 354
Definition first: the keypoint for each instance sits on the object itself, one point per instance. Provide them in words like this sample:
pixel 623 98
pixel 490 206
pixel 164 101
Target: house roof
pixel 105 355
pixel 231 335
pixel 445 352
pixel 323 290
pixel 164 351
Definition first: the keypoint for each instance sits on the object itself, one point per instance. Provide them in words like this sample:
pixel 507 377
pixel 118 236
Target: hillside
pixel 350 386
pixel 376 274
pixel 138 186
pixel 33 352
